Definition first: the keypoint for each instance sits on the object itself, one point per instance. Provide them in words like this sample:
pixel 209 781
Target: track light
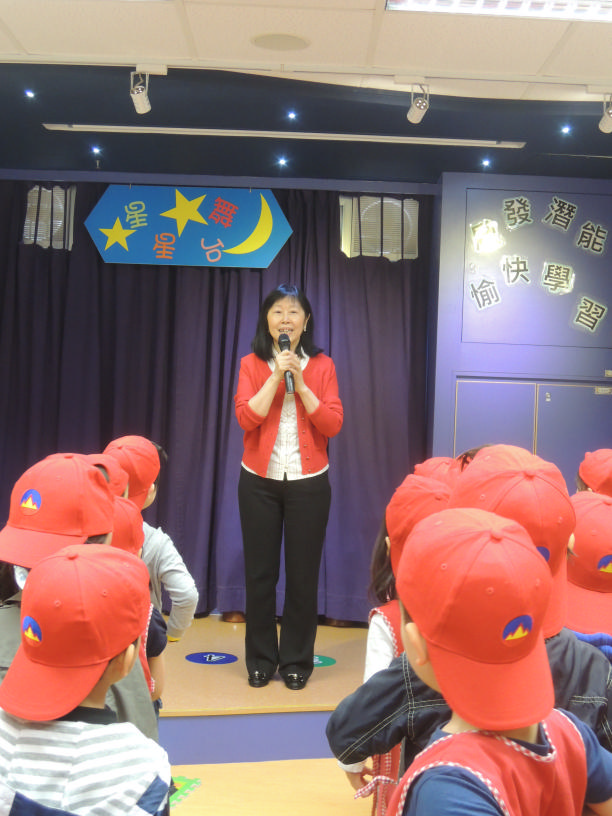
pixel 419 105
pixel 605 123
pixel 139 91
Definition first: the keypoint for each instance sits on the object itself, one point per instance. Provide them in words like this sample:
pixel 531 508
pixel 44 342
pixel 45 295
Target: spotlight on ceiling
pixel 419 105
pixel 605 123
pixel 139 91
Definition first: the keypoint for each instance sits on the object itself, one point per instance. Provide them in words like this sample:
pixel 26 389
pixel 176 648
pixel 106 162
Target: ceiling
pixel 224 76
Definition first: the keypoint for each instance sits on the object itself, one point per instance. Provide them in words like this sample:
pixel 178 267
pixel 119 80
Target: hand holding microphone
pixel 284 344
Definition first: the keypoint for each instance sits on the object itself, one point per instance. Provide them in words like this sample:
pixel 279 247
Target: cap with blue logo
pixel 80 608
pixel 60 500
pixel 478 590
pixel 589 568
pixel 515 483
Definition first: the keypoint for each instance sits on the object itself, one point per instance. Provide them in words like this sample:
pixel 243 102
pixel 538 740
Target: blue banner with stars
pixel 188 226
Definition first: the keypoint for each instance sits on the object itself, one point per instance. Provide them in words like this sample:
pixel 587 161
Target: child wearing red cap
pixel 83 610
pixel 589 571
pixel 396 705
pixel 595 471
pixel 142 460
pixel 114 474
pixel 514 483
pixel 443 468
pixel 415 498
pixel 474 594
pixel 58 501
pixel 128 534
pixel 139 458
pixel 64 499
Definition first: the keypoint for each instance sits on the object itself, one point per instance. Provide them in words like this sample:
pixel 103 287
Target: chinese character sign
pixel 190 226
pixel 545 279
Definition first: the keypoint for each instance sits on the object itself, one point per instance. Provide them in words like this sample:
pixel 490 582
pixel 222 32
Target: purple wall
pixel 532 314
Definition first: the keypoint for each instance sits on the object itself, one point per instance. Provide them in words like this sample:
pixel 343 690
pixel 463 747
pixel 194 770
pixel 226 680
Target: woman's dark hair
pixel 262 342
pixel 382 580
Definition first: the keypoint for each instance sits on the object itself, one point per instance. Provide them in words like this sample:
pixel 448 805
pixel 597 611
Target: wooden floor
pixel 297 787
pixel 293 788
pixel 196 689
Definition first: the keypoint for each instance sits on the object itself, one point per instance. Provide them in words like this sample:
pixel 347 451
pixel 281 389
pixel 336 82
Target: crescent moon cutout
pixel 260 234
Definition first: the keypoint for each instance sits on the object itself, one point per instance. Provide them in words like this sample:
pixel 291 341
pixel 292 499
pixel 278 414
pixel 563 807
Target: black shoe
pixel 257 679
pixel 295 682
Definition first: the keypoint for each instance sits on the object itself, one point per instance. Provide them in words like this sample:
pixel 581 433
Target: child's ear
pixel 123 662
pixel 151 495
pixel 418 645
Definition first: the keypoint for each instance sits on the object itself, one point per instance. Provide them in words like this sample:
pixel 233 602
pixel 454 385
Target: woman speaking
pixel 287 403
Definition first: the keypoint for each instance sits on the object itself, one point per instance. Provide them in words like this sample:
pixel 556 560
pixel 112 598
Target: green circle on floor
pixel 320 661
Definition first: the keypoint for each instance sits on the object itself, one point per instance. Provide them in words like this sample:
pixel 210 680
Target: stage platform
pixel 216 688
pixel 211 715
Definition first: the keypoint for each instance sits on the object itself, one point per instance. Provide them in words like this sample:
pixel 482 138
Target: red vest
pixel 520 780
pixel 387 766
pixel 391 613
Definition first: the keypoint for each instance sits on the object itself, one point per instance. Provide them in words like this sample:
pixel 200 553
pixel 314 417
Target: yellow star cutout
pixel 116 235
pixel 185 211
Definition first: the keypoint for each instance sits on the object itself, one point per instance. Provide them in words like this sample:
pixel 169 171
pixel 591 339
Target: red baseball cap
pixel 595 470
pixel 60 500
pixel 128 532
pixel 79 609
pixel 138 456
pixel 117 476
pixel 477 589
pixel 514 483
pixel 589 568
pixel 444 468
pixel 416 497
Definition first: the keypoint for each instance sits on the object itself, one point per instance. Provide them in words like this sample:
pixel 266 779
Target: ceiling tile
pixel 336 37
pixel 111 29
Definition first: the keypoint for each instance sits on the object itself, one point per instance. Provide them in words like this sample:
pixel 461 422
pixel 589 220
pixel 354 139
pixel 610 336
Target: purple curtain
pixel 90 351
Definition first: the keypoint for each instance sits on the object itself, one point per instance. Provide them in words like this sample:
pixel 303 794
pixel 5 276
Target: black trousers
pixel 299 509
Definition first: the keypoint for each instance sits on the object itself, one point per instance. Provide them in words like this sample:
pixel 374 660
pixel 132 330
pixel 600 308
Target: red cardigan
pixel 314 429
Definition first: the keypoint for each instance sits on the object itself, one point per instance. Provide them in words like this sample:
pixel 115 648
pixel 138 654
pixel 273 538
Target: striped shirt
pixel 87 765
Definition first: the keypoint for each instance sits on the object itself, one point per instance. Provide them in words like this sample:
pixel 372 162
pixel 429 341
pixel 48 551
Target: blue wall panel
pixel 531 333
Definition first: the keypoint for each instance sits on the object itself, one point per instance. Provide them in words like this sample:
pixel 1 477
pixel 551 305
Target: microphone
pixel 284 344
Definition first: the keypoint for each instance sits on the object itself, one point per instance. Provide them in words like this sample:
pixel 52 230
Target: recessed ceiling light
pixel 282 161
pixel 30 94
pixel 95 149
pixel 566 129
pixel 280 42
pixel 486 162
pixel 291 115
